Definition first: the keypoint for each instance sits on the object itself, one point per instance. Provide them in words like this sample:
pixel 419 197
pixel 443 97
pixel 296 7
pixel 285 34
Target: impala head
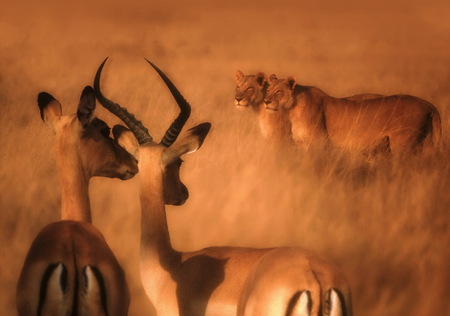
pixel 250 89
pixel 82 140
pixel 163 159
pixel 279 93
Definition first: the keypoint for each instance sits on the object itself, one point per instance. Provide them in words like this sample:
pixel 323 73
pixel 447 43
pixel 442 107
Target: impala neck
pixel 75 204
pixel 158 258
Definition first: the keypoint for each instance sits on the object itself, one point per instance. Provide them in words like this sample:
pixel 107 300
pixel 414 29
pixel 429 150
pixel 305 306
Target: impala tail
pixel 93 292
pixel 301 304
pixel 334 304
pixel 55 297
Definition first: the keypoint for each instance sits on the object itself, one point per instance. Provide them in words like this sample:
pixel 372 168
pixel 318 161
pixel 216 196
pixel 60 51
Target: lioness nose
pixel 267 101
pixel 239 99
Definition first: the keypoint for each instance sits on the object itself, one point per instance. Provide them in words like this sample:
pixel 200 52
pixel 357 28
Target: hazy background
pixel 388 230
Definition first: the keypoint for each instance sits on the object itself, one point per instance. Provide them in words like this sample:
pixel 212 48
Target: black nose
pixel 267 101
pixel 239 99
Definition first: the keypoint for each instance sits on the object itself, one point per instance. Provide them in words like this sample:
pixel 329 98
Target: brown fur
pixel 409 123
pixel 70 269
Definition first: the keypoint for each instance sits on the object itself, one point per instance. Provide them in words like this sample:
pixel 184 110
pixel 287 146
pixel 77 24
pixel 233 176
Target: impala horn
pixel 136 127
pixel 185 110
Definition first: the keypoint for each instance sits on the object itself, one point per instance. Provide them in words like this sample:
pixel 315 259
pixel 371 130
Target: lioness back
pixel 362 122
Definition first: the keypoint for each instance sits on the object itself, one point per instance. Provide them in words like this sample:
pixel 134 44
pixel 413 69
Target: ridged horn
pixel 185 110
pixel 136 127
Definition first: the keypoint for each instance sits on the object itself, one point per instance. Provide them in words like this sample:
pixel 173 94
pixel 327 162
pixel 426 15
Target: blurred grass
pixel 386 226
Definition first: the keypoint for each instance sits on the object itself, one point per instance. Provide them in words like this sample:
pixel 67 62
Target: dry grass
pixel 387 227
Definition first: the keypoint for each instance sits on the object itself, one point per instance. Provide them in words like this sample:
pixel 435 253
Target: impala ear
pixel 238 75
pixel 86 107
pixel 50 109
pixel 190 142
pixel 261 78
pixel 291 82
pixel 125 138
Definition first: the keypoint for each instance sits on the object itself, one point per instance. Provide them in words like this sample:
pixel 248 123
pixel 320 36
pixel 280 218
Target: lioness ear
pixel 291 82
pixel 189 143
pixel 50 109
pixel 273 78
pixel 238 75
pixel 261 78
pixel 86 107
pixel 125 138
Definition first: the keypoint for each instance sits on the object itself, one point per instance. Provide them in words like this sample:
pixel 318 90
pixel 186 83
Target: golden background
pixel 390 234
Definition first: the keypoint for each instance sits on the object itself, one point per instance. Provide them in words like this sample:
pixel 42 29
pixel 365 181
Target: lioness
pixel 250 92
pixel 405 122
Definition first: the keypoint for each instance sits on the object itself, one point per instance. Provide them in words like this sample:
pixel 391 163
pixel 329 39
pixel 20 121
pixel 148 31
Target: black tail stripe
pixel 101 282
pixel 44 284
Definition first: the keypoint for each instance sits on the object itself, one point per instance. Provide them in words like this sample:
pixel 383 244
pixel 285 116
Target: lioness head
pixel 279 93
pixel 249 89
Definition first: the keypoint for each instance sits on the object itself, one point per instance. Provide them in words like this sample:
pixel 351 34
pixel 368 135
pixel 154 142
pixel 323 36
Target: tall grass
pixel 385 224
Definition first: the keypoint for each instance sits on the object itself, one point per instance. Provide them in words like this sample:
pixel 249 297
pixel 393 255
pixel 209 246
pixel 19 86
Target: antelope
pixel 69 268
pixel 218 280
pixel 408 124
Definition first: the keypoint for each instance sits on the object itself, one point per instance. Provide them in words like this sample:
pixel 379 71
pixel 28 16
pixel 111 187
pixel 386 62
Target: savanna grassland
pixel 386 224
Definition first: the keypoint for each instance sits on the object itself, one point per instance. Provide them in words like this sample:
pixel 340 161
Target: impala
pixel 218 280
pixel 70 269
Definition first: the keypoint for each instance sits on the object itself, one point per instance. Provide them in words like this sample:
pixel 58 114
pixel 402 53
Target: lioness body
pixel 407 122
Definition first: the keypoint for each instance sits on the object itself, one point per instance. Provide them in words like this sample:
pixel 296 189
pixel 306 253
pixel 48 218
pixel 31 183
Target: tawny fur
pixel 410 124
pixel 250 93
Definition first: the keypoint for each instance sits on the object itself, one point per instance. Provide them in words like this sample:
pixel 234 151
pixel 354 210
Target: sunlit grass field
pixel 385 224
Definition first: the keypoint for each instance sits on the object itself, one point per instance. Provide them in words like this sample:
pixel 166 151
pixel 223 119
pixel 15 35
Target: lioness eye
pixel 278 92
pixel 249 88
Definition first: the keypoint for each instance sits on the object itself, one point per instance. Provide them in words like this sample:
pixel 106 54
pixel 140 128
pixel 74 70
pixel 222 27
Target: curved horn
pixel 136 127
pixel 185 110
